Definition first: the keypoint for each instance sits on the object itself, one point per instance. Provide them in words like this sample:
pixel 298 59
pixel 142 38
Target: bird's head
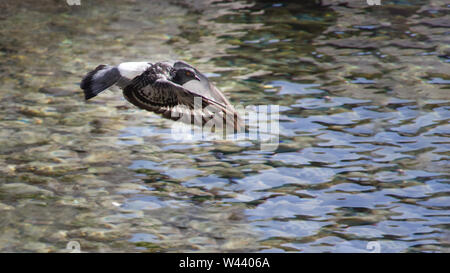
pixel 183 75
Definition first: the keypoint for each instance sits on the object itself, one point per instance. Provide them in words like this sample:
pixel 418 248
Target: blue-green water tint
pixel 363 150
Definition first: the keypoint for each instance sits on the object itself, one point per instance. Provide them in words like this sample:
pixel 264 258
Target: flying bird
pixel 174 89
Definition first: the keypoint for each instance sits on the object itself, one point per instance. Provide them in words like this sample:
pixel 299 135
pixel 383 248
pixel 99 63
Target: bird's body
pixel 176 90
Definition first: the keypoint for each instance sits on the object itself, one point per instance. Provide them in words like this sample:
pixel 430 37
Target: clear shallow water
pixel 364 129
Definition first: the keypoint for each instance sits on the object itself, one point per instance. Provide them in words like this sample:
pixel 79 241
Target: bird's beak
pixel 196 77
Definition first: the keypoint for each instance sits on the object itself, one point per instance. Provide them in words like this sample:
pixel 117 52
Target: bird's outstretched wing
pixel 175 102
pixel 204 87
pixel 207 89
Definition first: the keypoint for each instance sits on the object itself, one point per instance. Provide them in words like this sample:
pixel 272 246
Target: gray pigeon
pixel 176 90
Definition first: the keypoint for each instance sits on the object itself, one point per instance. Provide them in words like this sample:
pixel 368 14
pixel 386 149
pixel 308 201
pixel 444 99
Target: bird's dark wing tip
pixel 88 95
pixel 99 79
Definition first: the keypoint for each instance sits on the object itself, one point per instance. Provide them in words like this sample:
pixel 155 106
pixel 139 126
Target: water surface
pixel 364 128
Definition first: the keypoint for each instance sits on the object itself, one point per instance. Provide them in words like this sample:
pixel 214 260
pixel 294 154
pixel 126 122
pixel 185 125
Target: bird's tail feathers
pixel 99 79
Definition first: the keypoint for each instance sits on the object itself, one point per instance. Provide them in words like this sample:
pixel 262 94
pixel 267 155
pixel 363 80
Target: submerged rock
pixel 22 190
pixel 4 207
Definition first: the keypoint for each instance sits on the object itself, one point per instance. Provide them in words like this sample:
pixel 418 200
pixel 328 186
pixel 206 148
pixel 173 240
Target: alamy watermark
pixel 374 247
pixel 253 123
pixel 373 2
pixel 78 2
pixel 73 2
pixel 73 247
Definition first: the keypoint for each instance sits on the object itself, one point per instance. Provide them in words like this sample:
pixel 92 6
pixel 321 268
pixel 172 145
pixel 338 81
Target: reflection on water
pixel 364 126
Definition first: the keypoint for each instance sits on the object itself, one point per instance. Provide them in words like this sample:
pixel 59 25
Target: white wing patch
pixel 132 69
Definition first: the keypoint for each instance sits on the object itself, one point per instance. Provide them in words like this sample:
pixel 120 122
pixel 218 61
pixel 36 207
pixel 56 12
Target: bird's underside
pixel 162 88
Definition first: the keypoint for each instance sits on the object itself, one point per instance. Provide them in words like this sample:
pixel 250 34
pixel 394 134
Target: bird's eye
pixel 188 73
